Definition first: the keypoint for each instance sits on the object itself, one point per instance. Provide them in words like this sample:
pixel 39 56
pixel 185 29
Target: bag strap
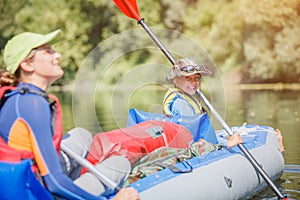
pixel 187 167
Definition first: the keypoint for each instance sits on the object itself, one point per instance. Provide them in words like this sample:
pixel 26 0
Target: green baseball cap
pixel 19 47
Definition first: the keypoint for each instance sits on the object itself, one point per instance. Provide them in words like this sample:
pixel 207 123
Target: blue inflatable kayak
pixel 222 174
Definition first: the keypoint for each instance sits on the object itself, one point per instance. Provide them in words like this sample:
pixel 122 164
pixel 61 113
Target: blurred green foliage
pixel 257 38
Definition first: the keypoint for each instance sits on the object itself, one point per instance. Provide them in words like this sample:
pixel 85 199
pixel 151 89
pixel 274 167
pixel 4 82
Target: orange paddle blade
pixel 129 8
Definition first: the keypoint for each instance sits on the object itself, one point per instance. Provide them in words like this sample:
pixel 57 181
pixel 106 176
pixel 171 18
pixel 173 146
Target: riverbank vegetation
pixel 258 39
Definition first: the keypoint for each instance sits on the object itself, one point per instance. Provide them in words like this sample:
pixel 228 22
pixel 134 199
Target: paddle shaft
pixel 91 168
pixel 241 146
pixel 157 41
pixel 216 114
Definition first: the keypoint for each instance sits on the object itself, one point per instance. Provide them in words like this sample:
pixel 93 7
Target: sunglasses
pixel 192 68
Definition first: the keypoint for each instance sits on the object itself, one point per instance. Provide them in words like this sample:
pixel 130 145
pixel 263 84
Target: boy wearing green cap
pixel 30 122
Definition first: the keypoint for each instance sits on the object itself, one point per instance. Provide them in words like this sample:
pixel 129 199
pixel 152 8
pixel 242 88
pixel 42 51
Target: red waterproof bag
pixel 138 140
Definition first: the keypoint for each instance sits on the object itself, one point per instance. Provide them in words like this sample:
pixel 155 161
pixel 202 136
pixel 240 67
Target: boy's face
pixel 189 84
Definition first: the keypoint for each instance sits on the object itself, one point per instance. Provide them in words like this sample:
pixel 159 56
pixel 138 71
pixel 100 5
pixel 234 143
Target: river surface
pixel 278 109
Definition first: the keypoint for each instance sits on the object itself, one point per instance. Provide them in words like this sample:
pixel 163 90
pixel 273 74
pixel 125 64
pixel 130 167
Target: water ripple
pixel 290 168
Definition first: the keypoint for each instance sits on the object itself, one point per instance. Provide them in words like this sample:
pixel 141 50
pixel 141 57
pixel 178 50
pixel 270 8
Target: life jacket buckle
pixel 24 90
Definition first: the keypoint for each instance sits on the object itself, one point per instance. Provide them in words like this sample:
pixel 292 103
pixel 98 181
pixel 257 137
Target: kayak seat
pixel 17 181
